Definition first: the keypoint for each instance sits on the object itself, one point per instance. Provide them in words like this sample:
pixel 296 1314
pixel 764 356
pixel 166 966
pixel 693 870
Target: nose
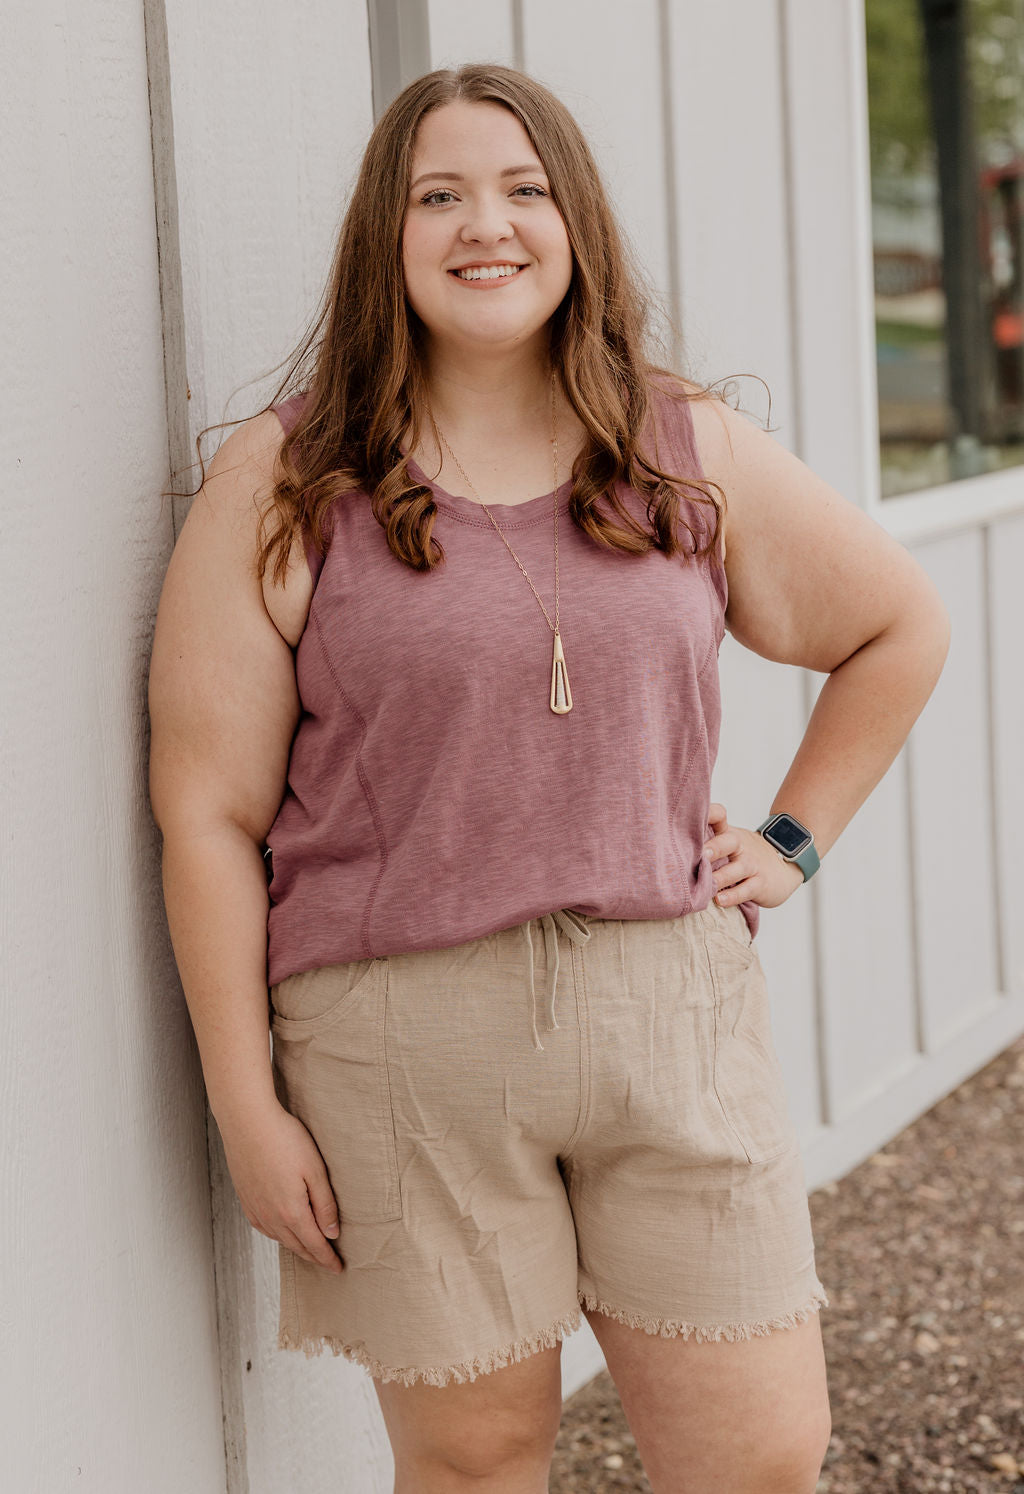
pixel 487 222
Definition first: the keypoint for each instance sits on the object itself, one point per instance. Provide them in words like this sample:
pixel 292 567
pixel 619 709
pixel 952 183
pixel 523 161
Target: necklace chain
pixel 554 442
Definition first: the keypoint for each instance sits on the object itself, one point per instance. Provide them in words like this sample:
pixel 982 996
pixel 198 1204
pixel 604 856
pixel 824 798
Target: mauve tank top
pixel 432 795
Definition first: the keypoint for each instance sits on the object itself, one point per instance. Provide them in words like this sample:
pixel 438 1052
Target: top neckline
pixel 528 512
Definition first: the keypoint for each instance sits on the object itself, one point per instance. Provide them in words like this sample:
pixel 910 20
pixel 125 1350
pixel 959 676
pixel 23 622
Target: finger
pixel 714 847
pixel 322 1252
pixel 297 1245
pixel 319 1248
pixel 737 892
pixel 286 1237
pixel 720 849
pixel 716 813
pixel 323 1203
pixel 734 870
pixel 725 843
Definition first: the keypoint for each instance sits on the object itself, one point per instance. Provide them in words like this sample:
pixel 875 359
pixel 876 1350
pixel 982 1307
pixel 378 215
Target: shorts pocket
pixel 330 1071
pixel 315 997
pixel 729 923
pixel 748 1078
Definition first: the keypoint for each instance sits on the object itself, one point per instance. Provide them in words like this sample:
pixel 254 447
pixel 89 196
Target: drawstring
pixel 578 932
pixel 551 952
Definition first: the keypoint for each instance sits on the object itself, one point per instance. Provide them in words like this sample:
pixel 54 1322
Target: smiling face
pixel 479 196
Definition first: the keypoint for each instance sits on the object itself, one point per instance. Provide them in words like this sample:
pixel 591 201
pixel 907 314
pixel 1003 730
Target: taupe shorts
pixel 569 1112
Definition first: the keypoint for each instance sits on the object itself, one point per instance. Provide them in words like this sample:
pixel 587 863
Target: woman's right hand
pixel 282 1184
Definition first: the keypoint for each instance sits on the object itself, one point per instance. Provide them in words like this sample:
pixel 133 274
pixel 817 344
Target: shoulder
pixel 226 514
pixel 706 421
pixel 711 420
pixel 239 477
pixel 244 468
pixel 288 411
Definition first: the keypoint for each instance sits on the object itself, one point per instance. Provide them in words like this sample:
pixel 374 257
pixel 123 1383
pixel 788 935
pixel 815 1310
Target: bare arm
pixel 814 581
pixel 223 707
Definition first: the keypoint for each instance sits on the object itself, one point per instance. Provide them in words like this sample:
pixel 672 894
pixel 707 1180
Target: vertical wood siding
pixel 109 1345
pixel 733 142
pixel 271 112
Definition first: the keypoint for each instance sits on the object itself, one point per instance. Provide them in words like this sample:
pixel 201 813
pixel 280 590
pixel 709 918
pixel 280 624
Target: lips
pixel 487 282
pixel 490 265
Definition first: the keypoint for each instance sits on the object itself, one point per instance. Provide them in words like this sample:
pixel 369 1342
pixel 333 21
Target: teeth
pixel 489 272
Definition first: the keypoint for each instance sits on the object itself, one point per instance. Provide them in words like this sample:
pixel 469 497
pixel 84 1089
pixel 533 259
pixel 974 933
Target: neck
pixel 498 394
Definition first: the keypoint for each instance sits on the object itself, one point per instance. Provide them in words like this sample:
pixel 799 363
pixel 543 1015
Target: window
pixel 946 119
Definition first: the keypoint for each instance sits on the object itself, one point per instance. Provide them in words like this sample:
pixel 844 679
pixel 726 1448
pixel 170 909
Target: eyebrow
pixel 454 176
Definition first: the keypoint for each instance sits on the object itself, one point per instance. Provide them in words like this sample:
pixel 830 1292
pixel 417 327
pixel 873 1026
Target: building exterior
pixel 177 174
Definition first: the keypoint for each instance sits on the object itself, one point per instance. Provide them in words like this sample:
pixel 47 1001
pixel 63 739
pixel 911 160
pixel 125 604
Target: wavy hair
pixel 361 370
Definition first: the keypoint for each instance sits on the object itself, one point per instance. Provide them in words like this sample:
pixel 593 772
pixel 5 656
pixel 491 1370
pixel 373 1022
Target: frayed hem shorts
pixel 567 1113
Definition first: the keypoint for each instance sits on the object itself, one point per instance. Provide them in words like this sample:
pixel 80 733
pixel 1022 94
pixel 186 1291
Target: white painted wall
pixel 271 113
pixel 108 1337
pixel 734 149
pixel 919 969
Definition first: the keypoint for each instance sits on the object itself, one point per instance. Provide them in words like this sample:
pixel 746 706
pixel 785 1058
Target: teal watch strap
pixel 807 859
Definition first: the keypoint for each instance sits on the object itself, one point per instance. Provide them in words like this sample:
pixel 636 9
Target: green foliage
pixel 997 76
pixel 902 141
pixel 901 135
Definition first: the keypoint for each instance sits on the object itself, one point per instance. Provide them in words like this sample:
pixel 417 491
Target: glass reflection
pixel 946 116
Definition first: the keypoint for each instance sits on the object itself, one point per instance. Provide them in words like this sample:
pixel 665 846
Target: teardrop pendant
pixel 561 695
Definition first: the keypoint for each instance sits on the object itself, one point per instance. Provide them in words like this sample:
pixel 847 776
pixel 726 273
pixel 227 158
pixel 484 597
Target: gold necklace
pixel 560 699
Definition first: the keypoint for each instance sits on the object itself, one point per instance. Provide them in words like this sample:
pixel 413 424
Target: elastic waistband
pixel 575 926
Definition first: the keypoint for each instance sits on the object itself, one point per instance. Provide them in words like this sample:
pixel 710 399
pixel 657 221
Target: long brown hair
pixel 361 369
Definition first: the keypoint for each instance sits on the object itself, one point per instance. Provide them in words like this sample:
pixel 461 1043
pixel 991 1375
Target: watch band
pixel 807 860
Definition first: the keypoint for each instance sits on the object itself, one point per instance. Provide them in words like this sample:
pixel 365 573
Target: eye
pixel 431 198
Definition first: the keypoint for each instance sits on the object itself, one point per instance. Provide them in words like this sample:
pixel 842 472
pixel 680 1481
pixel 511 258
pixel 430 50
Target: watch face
pixel 788 834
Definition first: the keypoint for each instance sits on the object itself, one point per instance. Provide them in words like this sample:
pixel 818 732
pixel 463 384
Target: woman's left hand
pixel 754 872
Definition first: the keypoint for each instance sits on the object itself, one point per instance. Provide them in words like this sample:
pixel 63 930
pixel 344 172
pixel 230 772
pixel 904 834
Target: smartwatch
pixel 793 841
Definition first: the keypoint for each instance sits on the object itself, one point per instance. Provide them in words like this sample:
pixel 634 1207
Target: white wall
pixel 918 970
pixel 735 149
pixel 108 1319
pixel 271 111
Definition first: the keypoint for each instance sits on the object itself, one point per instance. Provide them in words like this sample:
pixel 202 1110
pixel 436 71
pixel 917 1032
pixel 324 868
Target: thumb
pixel 324 1205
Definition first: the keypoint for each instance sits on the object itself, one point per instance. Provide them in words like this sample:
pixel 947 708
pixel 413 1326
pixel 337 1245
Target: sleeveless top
pixel 432 794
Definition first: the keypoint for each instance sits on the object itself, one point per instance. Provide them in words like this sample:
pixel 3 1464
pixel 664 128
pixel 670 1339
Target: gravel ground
pixel 921 1250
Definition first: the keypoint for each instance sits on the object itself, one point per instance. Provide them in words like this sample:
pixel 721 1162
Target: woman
pixel 522 1058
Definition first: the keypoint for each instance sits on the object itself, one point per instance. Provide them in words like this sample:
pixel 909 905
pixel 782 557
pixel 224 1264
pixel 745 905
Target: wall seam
pixel 677 349
pixel 399 39
pixel 789 221
pixel 518 36
pixel 826 1108
pixel 176 397
pixel 168 248
pixel 917 994
pixel 996 838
